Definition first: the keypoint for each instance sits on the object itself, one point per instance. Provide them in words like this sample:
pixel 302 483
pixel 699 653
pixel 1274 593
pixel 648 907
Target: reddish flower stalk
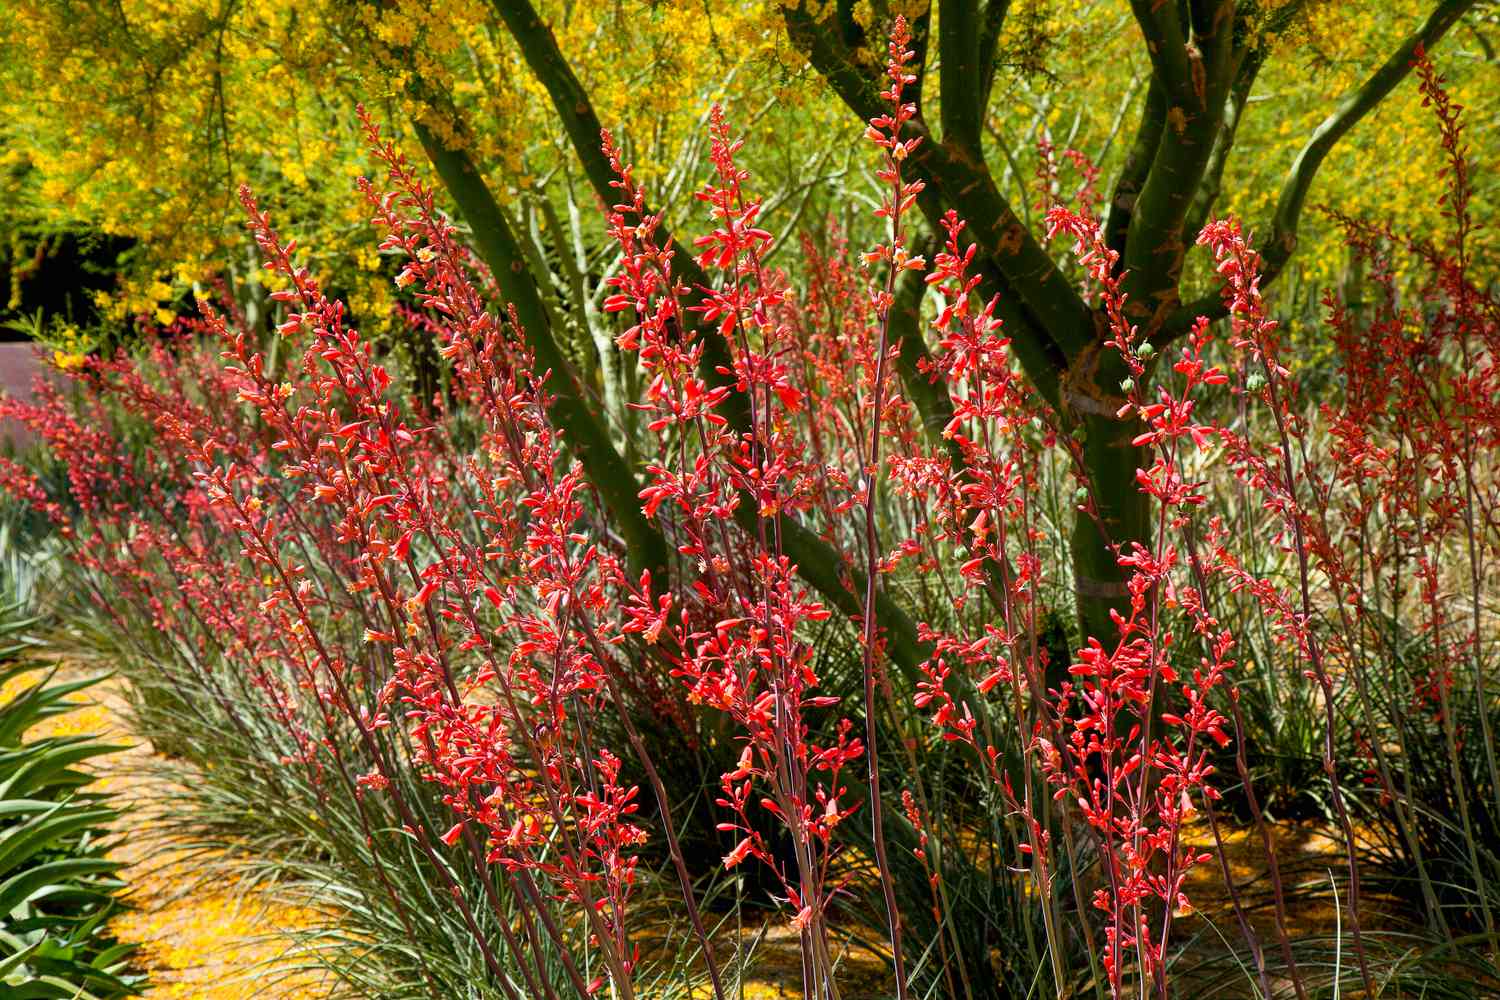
pixel 1135 792
pixel 1254 333
pixel 984 509
pixel 729 627
pixel 886 132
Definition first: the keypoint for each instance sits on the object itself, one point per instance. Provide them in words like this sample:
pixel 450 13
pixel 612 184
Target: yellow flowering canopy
pixel 138 120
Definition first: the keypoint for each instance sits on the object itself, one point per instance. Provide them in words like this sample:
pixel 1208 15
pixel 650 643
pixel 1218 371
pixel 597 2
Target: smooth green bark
pixel 570 411
pixel 1203 63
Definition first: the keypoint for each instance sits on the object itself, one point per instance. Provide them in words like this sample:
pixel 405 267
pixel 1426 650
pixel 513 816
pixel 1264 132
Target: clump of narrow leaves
pixel 57 886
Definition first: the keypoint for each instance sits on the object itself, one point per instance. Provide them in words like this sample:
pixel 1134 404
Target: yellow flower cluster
pixel 215 945
pixel 140 119
pixel 1388 168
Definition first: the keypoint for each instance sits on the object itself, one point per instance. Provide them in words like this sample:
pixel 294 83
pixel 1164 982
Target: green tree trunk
pixel 1119 514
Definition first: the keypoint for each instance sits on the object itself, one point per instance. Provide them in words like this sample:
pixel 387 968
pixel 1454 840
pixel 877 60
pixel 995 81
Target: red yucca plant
pixel 428 588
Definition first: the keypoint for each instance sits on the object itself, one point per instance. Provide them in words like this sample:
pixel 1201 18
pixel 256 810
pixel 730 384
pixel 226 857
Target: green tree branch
pixel 1280 243
pixel 570 412
pixel 816 560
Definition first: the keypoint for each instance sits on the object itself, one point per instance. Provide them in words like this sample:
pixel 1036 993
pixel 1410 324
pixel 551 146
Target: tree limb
pixel 992 25
pixel 539 48
pixel 815 559
pixel 959 53
pixel 1136 166
pixel 1053 305
pixel 1350 111
pixel 1213 176
pixel 1279 245
pixel 1154 244
pixel 1166 45
pixel 588 438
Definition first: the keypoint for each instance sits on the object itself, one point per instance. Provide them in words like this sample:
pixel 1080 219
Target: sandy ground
pixel 233 942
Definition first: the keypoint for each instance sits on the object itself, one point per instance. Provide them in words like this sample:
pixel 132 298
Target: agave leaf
pixel 21 887
pixel 21 843
pixel 51 765
pixel 10 964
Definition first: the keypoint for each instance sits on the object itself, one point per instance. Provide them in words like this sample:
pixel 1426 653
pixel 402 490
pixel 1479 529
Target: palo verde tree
pixel 1205 57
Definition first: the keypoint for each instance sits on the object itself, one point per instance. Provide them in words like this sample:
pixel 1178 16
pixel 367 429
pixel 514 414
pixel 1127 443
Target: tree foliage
pixel 138 119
